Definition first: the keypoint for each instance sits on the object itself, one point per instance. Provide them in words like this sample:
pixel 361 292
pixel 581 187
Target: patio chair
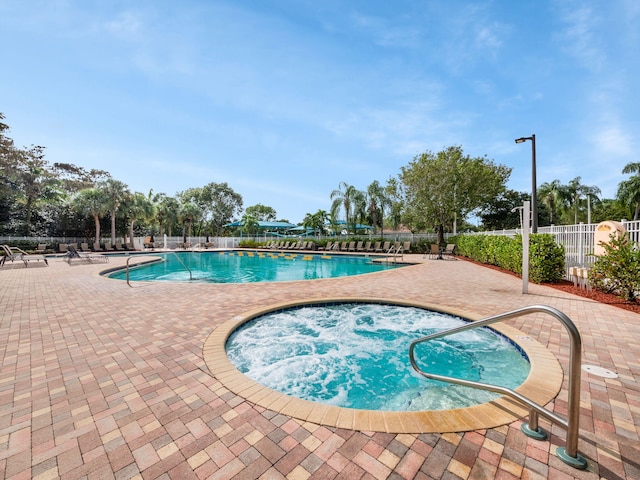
pixel 449 251
pixel 435 252
pixel 15 253
pixel 74 255
pixel 42 248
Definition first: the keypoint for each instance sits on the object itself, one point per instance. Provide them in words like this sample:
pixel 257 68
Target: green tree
pixel 261 213
pixel 552 194
pixel 377 202
pixel 139 207
pixel 37 185
pixel 250 224
pixel 188 214
pixel 503 212
pixel 316 221
pixel 92 202
pixel 395 194
pixel 223 204
pixel 348 198
pixel 629 190
pixel 115 192
pixel 575 192
pixel 166 212
pixel 449 185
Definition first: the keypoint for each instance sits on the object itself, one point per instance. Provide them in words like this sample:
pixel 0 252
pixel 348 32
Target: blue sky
pixel 285 99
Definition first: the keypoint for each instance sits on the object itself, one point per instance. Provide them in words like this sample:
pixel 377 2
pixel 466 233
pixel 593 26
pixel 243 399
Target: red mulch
pixel 566 286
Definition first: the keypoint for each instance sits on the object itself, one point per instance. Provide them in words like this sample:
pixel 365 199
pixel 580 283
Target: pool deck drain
pixel 102 380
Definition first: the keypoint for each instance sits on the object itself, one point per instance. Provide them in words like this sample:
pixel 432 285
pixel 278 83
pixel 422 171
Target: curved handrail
pixel 184 265
pixel 127 266
pixel 569 454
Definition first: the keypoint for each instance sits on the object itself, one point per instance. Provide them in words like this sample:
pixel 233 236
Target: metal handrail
pixel 569 454
pixel 138 256
pixel 184 265
pixel 127 266
pixel 399 250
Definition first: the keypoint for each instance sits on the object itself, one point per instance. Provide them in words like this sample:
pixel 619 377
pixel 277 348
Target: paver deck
pixel 102 380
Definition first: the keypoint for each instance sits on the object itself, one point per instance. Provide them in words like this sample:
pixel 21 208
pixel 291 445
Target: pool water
pixel 355 355
pixel 249 266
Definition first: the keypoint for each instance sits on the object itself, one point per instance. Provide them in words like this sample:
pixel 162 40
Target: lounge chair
pixel 97 247
pixel 449 251
pixel 118 247
pixel 62 248
pixel 14 253
pixel 352 246
pixel 327 247
pixel 360 247
pixel 344 247
pixel 74 255
pixel 367 247
pixel 85 247
pixel 377 247
pixel 435 252
pixel 108 247
pixel 386 247
pixel 406 247
pixel 42 248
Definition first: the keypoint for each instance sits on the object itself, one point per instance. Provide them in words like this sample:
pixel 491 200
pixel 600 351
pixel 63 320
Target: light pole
pixel 534 194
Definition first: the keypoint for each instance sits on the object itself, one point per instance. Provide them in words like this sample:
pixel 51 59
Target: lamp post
pixel 534 195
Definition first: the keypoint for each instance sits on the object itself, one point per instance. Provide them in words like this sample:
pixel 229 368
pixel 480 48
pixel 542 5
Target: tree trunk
pixel 113 227
pixel 96 219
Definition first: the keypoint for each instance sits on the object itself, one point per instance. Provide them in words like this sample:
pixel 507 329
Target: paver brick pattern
pixel 102 380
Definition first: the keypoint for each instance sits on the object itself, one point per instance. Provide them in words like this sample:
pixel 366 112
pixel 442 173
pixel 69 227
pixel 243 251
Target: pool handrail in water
pixel 569 454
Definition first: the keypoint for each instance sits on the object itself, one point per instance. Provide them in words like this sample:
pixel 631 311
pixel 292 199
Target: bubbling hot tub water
pixel 355 355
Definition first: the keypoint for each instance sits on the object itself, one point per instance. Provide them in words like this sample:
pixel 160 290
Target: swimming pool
pixel 355 355
pixel 251 266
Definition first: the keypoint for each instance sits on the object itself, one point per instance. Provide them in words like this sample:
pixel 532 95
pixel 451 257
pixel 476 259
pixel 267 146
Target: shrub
pixel 546 258
pixel 618 270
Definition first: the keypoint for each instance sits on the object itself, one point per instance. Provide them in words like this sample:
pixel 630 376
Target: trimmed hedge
pixel 546 257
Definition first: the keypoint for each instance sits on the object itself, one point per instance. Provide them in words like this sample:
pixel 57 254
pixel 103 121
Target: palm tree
pixel 139 207
pixel 316 221
pixel 115 193
pixel 629 190
pixel 576 191
pixel 551 194
pixel 166 212
pixel 188 214
pixel 346 196
pixel 378 201
pixel 92 201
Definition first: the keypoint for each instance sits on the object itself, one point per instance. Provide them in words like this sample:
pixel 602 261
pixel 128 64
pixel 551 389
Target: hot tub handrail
pixel 569 454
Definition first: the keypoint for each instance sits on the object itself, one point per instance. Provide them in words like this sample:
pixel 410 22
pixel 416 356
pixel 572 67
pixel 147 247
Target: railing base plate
pixel 538 434
pixel 576 462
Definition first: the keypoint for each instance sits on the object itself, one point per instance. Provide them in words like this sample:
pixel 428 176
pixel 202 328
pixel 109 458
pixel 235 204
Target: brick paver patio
pixel 102 380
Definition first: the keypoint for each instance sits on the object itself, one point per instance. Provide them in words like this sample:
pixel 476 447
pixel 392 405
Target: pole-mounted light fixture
pixel 534 195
